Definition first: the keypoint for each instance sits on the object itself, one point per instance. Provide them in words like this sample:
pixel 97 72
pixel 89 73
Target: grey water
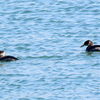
pixel 46 35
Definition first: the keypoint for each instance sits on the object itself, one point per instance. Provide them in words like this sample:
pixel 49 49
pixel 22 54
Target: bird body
pixel 91 47
pixel 3 57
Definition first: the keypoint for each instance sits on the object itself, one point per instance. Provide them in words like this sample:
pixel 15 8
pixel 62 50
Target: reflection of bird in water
pixel 3 57
pixel 2 64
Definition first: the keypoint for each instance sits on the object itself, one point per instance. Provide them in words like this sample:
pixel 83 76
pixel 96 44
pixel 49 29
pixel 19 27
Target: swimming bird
pixel 3 57
pixel 91 47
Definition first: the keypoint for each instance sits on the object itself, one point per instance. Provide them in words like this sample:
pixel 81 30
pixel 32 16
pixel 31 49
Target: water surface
pixel 46 37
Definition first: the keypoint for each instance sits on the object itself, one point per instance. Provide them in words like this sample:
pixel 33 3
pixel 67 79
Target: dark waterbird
pixel 3 57
pixel 91 47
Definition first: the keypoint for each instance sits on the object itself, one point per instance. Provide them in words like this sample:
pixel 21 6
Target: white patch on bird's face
pixel 2 54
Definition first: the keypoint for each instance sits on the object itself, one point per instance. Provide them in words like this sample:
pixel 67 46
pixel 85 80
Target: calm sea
pixel 46 36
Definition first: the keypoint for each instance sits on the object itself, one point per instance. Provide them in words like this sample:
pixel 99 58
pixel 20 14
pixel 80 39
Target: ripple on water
pixel 46 37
